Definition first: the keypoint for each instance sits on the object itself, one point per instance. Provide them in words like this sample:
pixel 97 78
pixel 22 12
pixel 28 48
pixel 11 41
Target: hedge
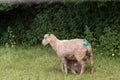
pixel 26 24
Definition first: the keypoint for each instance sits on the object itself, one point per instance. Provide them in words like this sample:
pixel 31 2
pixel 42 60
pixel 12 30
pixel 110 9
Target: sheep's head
pixel 46 39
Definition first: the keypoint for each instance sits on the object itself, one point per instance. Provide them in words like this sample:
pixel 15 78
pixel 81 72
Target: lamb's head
pixel 46 39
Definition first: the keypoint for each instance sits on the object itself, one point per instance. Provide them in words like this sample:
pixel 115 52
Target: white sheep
pixel 74 49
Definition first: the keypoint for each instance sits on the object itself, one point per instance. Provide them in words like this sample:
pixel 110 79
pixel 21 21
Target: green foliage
pixel 88 34
pixel 110 42
pixel 7 6
pixel 29 22
pixel 56 21
pixel 9 38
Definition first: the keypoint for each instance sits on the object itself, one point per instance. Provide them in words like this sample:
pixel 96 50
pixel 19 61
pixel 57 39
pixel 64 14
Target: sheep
pixel 73 49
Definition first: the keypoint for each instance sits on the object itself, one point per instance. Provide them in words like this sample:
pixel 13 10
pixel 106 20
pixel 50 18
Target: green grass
pixel 42 63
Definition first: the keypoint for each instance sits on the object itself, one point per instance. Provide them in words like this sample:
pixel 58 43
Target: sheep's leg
pixel 92 63
pixel 80 56
pixel 64 61
pixel 65 65
pixel 62 67
pixel 91 58
pixel 82 66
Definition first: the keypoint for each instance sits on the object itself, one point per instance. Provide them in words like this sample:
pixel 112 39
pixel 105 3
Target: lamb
pixel 74 49
pixel 73 66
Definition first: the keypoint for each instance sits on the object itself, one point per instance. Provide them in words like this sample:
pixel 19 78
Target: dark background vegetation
pixel 26 24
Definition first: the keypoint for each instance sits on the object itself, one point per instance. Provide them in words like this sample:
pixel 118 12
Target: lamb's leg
pixel 73 67
pixel 73 71
pixel 82 68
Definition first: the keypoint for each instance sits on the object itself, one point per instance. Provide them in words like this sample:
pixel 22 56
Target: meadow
pixel 42 63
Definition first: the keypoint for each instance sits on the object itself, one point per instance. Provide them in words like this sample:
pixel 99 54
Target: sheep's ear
pixel 49 33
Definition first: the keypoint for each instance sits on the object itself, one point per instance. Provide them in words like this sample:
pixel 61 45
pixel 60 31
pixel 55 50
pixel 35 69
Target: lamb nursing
pixel 74 49
pixel 73 66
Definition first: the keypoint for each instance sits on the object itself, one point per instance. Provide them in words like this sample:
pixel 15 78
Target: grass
pixel 42 63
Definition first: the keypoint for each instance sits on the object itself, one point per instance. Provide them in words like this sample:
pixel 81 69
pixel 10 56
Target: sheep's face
pixel 46 39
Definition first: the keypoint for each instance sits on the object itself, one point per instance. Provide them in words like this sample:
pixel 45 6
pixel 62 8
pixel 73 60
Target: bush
pixel 110 42
pixel 29 22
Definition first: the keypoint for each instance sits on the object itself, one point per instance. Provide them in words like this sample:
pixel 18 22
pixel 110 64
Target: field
pixel 42 63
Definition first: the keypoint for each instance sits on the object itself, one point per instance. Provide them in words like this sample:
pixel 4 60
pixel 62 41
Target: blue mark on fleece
pixel 86 43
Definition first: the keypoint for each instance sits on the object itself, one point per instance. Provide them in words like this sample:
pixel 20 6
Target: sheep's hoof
pixel 66 73
pixel 81 73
